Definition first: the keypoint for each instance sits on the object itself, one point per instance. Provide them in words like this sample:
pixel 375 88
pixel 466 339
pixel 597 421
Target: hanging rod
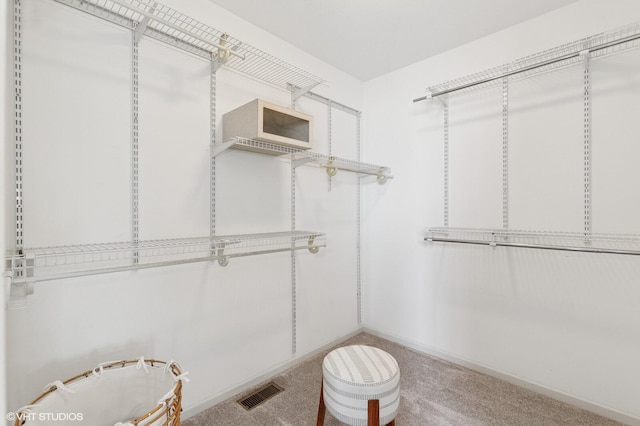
pixel 534 246
pixel 531 67
pixel 542 240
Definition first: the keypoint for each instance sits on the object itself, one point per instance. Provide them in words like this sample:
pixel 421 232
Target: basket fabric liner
pixel 108 396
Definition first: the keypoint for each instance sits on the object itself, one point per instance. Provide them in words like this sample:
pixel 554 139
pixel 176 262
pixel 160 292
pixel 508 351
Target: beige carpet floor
pixel 432 392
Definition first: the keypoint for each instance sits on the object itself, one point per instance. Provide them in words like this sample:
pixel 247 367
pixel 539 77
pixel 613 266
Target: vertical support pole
pixel 505 153
pixel 587 144
pixel 294 296
pixel 17 83
pixel 358 222
pixel 446 163
pixel 21 282
pixel 135 228
pixel 212 165
pixel 329 125
pixel 294 299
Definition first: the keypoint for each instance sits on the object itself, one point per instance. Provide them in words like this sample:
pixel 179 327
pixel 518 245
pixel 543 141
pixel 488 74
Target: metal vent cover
pixel 260 396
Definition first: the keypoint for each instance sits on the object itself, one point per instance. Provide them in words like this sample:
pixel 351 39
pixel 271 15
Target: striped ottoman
pixel 360 386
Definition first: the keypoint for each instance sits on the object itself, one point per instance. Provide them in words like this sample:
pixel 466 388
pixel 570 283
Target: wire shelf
pixel 598 45
pixel 565 241
pixel 304 157
pixel 172 27
pixel 253 145
pixel 333 164
pixel 50 263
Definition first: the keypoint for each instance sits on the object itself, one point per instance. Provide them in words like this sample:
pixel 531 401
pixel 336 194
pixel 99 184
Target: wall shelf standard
pixel 52 263
pixel 300 157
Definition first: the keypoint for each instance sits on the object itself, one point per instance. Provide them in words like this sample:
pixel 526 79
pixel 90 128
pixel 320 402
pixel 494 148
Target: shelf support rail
pixel 446 163
pixel 212 153
pixel 20 285
pixel 331 170
pixel 135 187
pixel 587 143
pixel 505 152
pixel 294 297
pixel 359 224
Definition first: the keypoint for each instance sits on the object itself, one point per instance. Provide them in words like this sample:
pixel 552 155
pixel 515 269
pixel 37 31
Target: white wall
pixel 565 322
pixel 226 326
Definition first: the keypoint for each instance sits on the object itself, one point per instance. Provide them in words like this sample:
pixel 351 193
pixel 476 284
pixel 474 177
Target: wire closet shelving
pixel 301 157
pixel 580 52
pixel 599 45
pixel 51 263
pixel 152 19
pixel 25 265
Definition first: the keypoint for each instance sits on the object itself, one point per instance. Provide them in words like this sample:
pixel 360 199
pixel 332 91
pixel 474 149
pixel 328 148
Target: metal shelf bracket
pixel 222 259
pixel 301 161
pixel 222 55
pixel 141 27
pixel 298 92
pixel 312 249
pixel 330 168
pixel 21 279
pixel 219 148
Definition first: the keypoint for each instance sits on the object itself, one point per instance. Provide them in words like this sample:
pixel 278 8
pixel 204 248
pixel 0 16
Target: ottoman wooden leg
pixel 374 412
pixel 392 423
pixel 321 408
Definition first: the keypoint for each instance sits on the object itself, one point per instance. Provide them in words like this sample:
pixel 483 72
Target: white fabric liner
pixel 113 396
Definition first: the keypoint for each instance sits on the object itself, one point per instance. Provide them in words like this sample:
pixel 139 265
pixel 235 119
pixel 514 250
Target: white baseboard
pixel 263 377
pixel 536 387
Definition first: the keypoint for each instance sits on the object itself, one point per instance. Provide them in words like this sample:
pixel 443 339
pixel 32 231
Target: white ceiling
pixel 368 38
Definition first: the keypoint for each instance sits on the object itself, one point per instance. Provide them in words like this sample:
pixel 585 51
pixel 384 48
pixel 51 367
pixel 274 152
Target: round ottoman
pixel 360 386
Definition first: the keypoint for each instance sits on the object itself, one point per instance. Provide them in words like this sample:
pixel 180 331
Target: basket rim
pixel 158 410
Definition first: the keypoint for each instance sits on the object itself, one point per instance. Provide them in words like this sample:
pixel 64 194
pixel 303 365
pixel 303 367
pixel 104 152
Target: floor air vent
pixel 266 392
